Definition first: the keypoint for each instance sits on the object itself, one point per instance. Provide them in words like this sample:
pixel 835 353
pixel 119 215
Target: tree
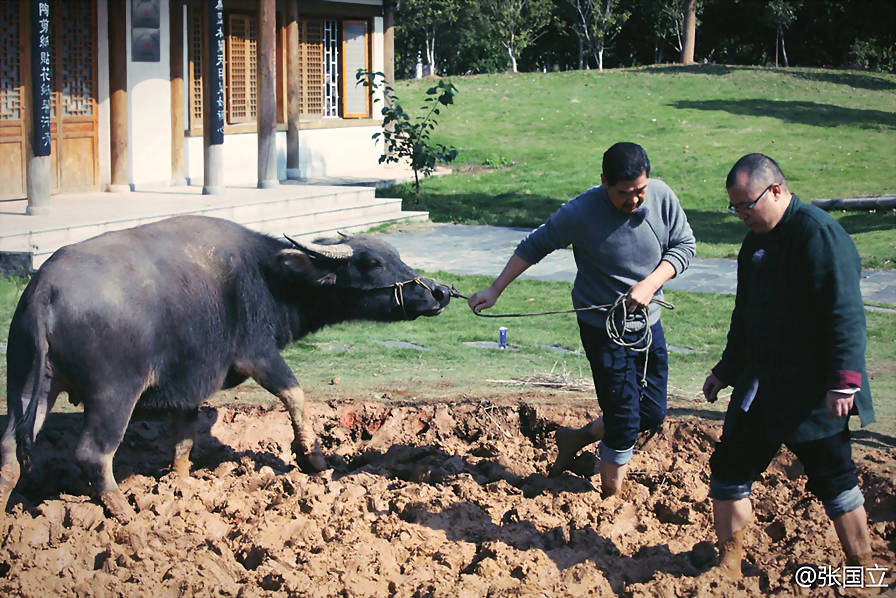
pixel 406 138
pixel 425 21
pixel 690 33
pixel 597 22
pixel 518 23
pixel 781 14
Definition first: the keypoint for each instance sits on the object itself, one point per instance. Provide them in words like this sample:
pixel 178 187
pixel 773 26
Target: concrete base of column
pixel 38 185
pixel 269 184
pixel 213 183
pixel 293 173
pixel 118 188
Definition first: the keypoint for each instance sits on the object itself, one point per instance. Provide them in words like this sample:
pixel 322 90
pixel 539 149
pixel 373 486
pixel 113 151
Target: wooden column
pixel 213 97
pixel 176 19
pixel 118 96
pixel 293 89
pixel 266 116
pixel 388 54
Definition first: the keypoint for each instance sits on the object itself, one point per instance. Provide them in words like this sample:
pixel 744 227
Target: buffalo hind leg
pixel 105 422
pixel 275 377
pixel 183 426
pixel 9 470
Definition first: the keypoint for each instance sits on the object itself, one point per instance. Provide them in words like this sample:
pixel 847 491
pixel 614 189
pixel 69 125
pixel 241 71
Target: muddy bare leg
pixel 571 440
pixel 183 426
pixel 612 477
pixel 730 517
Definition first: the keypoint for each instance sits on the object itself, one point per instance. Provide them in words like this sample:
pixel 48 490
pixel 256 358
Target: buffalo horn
pixel 340 252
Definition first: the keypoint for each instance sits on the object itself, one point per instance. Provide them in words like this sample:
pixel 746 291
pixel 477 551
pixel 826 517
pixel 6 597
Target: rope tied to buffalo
pixel 618 316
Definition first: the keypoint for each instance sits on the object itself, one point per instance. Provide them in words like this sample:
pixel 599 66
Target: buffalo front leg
pixel 9 464
pixel 304 445
pixel 183 427
pixel 274 375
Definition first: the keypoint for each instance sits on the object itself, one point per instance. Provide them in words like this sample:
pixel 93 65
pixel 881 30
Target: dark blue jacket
pixel 798 324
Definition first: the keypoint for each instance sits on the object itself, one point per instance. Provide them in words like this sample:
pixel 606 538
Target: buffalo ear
pixel 297 264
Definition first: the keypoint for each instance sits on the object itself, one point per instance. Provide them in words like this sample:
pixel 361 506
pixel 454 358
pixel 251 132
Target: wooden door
pixel 12 96
pixel 73 104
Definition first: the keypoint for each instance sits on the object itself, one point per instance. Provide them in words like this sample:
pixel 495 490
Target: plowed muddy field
pixel 437 499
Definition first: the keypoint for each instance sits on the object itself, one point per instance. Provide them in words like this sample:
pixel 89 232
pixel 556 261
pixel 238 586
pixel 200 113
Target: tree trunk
pixel 512 59
pixel 581 52
pixel 600 58
pixel 431 54
pixel 784 51
pixel 690 33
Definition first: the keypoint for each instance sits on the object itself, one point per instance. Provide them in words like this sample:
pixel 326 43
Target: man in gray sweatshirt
pixel 629 236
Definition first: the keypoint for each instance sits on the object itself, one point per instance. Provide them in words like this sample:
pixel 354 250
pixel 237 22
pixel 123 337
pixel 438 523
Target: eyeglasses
pixel 747 205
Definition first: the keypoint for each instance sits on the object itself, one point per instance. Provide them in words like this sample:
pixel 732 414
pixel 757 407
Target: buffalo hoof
pixel 309 461
pixel 117 506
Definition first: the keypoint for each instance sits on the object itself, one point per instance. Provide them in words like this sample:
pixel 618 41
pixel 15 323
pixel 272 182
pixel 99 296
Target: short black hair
pixel 625 161
pixel 756 167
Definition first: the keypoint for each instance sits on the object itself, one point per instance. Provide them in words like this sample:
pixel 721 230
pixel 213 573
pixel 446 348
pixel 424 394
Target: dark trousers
pixel 745 451
pixel 628 406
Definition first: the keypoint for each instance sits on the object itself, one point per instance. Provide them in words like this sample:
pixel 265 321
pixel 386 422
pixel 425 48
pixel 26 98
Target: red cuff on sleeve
pixel 845 379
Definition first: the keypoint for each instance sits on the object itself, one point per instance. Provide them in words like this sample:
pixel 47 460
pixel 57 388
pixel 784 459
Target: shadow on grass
pixel 716 226
pixel 866 222
pixel 795 111
pixel 848 78
pixel 512 208
pixel 691 69
pixel 873 439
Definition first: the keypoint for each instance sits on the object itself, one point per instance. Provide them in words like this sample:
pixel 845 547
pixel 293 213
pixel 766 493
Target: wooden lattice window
pixel 311 67
pixel 195 68
pixel 241 68
pixel 10 63
pixel 76 77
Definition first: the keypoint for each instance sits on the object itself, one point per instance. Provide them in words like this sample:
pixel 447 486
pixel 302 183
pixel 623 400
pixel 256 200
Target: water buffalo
pixel 168 313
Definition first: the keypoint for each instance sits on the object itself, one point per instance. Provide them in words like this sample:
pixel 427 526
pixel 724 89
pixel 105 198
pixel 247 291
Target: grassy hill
pixel 528 142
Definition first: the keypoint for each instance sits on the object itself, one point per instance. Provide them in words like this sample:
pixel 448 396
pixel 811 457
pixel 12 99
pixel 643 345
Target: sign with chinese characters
pixel 145 24
pixel 216 70
pixel 41 74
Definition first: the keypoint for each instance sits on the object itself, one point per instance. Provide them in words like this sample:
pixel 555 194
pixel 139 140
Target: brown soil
pixel 422 500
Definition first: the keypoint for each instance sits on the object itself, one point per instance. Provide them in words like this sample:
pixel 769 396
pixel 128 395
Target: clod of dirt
pixel 420 499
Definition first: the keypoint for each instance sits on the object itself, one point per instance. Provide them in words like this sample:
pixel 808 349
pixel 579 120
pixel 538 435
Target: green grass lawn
pixel 528 142
pixel 545 347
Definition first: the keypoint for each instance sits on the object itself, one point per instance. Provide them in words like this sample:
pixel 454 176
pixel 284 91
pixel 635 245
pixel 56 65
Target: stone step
pixel 338 215
pixel 304 211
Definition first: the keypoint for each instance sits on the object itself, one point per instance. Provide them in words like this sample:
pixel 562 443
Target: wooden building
pixel 99 95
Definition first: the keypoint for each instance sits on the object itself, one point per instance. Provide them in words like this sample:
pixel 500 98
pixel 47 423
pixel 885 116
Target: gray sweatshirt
pixel 614 250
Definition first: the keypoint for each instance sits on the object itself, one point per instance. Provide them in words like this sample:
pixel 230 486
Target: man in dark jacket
pixel 796 359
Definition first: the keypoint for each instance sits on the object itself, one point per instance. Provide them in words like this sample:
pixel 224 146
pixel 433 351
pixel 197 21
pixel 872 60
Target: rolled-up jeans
pixel 628 406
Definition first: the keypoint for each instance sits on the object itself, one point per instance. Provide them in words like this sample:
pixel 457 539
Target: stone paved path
pixel 467 249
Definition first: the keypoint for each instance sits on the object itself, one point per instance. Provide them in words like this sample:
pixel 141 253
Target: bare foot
pixel 568 444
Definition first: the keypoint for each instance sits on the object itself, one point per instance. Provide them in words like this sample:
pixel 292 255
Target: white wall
pixel 322 152
pixel 149 111
pixel 379 63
